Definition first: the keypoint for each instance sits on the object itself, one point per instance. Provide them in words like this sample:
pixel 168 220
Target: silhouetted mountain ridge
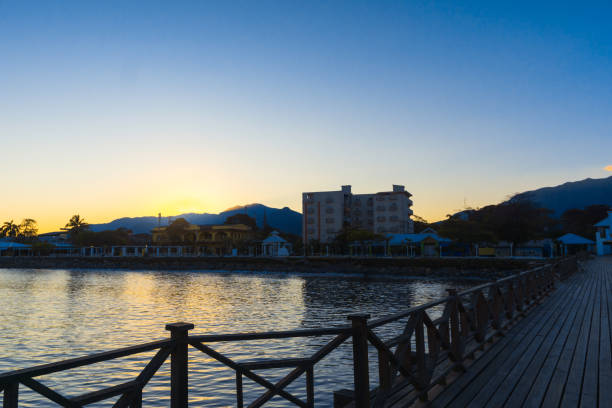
pixel 283 219
pixel 573 194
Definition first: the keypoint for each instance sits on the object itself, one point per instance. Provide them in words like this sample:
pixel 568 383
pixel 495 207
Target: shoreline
pixel 364 268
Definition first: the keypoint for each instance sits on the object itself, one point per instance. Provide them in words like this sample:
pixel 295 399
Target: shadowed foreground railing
pixel 409 364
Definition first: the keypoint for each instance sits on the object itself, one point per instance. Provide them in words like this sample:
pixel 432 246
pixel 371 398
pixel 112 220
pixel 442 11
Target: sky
pixel 112 109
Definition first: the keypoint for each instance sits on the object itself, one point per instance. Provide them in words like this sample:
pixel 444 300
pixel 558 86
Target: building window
pixel 330 231
pixel 329 210
pixel 329 220
pixel 393 207
pixel 310 220
pixel 393 218
pixel 329 200
pixel 380 208
pixel 311 231
pixel 357 212
pixel 380 219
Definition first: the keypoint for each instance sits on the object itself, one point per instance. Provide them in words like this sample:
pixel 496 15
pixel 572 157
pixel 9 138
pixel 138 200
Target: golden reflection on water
pixel 49 315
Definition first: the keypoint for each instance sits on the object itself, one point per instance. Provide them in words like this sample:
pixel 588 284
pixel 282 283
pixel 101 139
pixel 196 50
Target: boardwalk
pixel 558 356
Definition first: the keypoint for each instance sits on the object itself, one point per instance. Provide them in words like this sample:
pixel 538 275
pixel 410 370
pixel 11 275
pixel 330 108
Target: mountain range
pixel 575 194
pixel 283 219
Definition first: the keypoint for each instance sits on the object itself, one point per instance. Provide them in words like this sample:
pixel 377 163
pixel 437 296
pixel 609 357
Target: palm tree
pixel 10 229
pixel 76 224
pixel 28 228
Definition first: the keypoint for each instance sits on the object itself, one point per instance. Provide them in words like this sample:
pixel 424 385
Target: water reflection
pixel 48 315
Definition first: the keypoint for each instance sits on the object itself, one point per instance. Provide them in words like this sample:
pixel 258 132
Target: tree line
pixel 518 221
pixel 27 229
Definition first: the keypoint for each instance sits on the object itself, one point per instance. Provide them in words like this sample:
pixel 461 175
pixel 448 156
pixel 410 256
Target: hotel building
pixel 327 212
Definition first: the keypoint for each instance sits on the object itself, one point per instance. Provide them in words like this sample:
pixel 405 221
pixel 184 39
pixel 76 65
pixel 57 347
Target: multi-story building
pixel 206 239
pixel 326 213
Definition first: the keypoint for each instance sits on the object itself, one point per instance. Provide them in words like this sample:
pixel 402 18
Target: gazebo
pixel 572 243
pixel 275 245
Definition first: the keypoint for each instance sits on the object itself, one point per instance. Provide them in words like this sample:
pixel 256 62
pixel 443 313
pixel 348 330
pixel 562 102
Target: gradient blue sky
pixel 123 108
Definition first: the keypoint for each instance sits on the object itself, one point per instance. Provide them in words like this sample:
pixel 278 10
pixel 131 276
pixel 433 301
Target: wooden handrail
pixel 36 371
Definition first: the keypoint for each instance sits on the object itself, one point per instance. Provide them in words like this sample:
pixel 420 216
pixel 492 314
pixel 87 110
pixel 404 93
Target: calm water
pixel 49 315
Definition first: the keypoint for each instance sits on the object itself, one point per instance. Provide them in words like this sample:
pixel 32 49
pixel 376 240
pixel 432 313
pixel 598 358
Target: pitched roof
pixel 10 244
pixel 274 237
pixel 606 222
pixel 573 239
pixel 400 239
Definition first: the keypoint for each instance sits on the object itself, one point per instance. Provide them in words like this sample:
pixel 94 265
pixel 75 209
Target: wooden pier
pixel 539 338
pixel 557 356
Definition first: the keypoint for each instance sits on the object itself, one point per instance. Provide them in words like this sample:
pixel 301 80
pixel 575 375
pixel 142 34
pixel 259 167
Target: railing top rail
pixel 501 280
pixel 11 376
pixel 213 338
pixel 388 319
pixel 397 316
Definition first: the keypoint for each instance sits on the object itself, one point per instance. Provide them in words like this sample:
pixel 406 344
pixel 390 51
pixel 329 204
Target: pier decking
pixel 557 356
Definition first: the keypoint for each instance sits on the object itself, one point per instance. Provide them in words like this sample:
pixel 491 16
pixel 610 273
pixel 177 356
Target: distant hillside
pixel 576 194
pixel 283 219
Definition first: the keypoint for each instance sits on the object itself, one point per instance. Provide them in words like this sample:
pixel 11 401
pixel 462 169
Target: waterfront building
pixel 570 244
pixel 205 239
pixel 8 247
pixel 603 235
pixel 55 238
pixel 326 213
pixel 426 243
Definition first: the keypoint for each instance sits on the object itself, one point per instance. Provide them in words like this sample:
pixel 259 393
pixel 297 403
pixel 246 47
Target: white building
pixel 275 245
pixel 603 235
pixel 326 213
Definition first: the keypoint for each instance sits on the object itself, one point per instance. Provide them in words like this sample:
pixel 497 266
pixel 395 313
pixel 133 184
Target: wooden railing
pixel 428 349
pixel 416 359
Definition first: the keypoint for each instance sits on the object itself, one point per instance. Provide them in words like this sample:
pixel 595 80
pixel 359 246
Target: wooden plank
pixel 571 392
pixel 491 382
pixel 497 352
pixel 605 344
pixel 540 384
pixel 449 395
pixel 554 392
pixel 520 379
pixel 588 395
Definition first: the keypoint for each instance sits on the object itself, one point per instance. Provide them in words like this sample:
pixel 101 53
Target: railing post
pixel 310 387
pixel 136 400
pixel 360 359
pixel 239 396
pixel 179 332
pixel 11 395
pixel 456 340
